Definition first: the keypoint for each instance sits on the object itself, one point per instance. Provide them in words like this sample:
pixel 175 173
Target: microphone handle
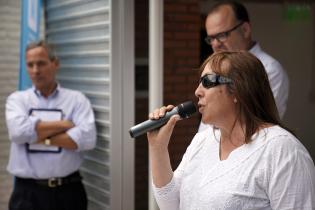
pixel 149 125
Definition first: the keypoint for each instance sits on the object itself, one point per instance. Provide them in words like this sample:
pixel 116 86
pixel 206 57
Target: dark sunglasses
pixel 212 80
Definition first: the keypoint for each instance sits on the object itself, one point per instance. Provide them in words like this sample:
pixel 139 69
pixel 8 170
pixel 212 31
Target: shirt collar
pixel 54 93
pixel 255 49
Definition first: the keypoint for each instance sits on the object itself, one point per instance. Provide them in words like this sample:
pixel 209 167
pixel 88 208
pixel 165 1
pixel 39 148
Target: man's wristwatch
pixel 47 142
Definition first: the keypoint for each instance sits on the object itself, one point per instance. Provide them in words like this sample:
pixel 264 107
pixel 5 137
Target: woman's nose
pixel 198 91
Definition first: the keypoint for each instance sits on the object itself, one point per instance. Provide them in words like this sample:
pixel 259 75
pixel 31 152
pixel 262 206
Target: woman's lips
pixel 200 107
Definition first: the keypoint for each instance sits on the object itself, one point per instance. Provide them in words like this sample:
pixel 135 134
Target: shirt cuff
pixel 74 134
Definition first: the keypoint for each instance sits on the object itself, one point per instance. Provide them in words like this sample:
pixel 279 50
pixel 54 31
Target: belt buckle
pixel 54 182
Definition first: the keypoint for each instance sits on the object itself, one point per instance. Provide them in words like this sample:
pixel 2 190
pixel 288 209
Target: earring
pixel 235 100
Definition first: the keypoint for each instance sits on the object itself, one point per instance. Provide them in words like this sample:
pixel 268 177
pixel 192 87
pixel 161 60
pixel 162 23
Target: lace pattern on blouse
pixel 164 191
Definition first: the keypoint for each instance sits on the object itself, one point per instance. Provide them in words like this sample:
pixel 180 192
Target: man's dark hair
pixel 239 9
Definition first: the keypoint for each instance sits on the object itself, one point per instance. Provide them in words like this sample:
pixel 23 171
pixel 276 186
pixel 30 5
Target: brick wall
pixel 181 56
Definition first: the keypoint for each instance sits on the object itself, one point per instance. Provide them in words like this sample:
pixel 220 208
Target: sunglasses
pixel 212 80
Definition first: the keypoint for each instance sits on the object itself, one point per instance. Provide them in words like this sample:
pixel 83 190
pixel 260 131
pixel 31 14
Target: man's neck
pixel 48 90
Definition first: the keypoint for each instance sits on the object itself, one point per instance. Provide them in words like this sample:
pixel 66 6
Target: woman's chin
pixel 204 121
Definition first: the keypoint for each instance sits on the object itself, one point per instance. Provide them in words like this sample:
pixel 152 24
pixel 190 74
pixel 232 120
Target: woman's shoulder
pixel 283 144
pixel 276 135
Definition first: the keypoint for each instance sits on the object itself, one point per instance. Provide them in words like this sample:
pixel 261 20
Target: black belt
pixel 52 182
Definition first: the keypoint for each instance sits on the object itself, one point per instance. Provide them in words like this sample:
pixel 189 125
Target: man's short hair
pixel 47 46
pixel 240 11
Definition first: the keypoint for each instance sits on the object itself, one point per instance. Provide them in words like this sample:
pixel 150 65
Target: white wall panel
pixel 82 32
pixel 9 68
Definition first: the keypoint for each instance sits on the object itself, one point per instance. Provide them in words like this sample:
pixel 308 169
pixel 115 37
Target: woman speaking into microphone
pixel 246 159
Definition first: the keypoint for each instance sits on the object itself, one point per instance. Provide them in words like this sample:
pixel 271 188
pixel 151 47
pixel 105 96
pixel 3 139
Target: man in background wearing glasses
pixel 228 28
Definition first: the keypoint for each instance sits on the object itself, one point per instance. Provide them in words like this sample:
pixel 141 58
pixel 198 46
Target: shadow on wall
pixel 281 37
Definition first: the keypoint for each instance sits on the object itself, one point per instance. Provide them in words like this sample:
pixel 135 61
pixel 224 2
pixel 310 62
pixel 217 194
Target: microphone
pixel 184 110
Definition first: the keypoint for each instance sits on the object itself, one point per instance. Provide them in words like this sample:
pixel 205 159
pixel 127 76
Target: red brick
pixel 181 36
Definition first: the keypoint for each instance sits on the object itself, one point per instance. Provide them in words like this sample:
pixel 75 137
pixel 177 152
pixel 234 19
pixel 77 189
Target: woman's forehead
pixel 222 67
pixel 207 70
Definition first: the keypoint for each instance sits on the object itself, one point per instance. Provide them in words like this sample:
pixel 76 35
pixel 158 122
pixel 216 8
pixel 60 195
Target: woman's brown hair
pixel 250 85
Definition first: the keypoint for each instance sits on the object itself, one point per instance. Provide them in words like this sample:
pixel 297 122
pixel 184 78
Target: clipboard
pixel 45 115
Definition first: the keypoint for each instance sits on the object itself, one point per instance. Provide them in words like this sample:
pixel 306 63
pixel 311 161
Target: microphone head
pixel 186 109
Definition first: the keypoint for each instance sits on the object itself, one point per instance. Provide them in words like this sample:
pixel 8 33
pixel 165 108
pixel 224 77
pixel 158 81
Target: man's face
pixel 222 21
pixel 41 69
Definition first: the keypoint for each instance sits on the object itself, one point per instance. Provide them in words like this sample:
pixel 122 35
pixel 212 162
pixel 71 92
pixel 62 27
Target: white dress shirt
pixel 278 78
pixel 21 127
pixel 274 171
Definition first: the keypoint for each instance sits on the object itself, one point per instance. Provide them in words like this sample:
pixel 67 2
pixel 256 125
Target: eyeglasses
pixel 212 80
pixel 221 37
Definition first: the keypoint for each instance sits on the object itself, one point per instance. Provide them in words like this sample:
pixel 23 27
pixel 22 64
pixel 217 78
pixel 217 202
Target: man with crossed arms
pixel 45 155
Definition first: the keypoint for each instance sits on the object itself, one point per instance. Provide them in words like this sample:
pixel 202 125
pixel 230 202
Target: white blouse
pixel 274 171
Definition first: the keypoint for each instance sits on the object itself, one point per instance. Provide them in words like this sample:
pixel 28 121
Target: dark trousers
pixel 29 195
